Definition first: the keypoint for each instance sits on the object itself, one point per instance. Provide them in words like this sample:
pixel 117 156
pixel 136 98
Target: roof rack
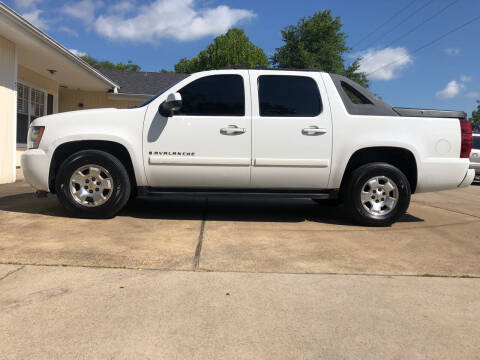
pixel 240 67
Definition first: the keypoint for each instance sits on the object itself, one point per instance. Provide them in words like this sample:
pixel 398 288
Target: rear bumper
pixel 476 168
pixel 468 178
pixel 435 174
pixel 475 165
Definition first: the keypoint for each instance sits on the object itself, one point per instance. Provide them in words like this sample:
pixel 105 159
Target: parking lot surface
pixel 239 278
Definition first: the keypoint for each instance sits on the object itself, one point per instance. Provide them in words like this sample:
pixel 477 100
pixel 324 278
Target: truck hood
pixel 74 115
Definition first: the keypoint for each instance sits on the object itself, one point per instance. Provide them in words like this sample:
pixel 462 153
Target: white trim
pixel 31 85
pixel 320 163
pixel 194 160
pixel 15 80
pixel 19 20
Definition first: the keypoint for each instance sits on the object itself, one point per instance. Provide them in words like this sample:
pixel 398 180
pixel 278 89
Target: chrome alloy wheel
pixel 379 195
pixel 91 185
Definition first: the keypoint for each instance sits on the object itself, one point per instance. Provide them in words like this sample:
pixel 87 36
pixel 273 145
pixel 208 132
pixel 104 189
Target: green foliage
pixel 475 119
pixel 317 42
pixel 352 73
pixel 231 49
pixel 105 64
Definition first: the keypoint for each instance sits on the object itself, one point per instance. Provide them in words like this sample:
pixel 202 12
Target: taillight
pixel 466 134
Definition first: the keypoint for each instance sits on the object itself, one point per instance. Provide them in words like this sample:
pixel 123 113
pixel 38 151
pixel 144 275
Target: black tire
pixel 120 192
pixel 354 187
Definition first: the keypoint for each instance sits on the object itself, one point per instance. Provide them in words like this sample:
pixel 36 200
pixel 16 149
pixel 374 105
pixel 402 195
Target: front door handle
pixel 232 130
pixel 313 131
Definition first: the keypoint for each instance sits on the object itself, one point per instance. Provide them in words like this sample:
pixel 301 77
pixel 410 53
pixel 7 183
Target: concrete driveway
pixel 439 236
pixel 248 279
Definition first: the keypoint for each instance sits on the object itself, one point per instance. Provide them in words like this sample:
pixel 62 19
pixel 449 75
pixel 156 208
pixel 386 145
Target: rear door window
pixel 288 96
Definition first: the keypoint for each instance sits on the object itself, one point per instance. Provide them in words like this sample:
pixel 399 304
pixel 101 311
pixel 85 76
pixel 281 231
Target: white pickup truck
pixel 268 133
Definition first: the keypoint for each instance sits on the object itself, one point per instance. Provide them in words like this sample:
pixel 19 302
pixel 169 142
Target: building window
pixel 22 99
pixel 31 103
pixel 38 103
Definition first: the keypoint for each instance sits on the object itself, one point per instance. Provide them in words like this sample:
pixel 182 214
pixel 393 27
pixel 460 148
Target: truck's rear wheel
pixel 93 184
pixel 377 194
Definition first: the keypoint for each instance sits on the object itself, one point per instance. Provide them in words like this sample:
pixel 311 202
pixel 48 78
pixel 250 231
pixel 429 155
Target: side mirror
pixel 173 103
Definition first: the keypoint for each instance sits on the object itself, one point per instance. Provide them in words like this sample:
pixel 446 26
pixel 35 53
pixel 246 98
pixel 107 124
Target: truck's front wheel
pixel 377 194
pixel 93 184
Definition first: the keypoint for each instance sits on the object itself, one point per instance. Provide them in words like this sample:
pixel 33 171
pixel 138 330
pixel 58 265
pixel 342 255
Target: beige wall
pixel 34 79
pixel 70 99
pixel 31 78
pixel 19 153
pixel 8 106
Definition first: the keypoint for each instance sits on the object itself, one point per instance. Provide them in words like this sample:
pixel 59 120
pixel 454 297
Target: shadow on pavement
pixel 193 208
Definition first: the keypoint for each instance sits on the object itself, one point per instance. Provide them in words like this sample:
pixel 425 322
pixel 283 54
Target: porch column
pixel 8 110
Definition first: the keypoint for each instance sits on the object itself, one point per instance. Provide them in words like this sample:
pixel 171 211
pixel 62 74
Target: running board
pixel 156 192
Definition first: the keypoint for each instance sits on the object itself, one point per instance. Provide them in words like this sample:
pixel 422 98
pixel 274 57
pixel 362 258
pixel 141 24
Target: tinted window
pixel 214 95
pixel 476 142
pixel 355 96
pixel 282 95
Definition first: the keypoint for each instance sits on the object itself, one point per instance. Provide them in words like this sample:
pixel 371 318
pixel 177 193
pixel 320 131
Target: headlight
pixel 35 134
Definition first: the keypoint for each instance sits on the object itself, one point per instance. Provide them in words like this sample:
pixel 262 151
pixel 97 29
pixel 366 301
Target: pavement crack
pixel 451 210
pixel 262 272
pixel 11 272
pixel 198 250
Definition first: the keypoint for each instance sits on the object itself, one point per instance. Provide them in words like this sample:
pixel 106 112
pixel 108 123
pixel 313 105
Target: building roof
pixel 142 83
pixel 41 53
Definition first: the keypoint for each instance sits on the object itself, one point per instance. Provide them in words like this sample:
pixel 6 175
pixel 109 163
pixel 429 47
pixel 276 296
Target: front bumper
pixel 36 167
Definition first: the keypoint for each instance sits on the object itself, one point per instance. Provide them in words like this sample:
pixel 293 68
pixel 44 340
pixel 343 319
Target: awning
pixel 40 53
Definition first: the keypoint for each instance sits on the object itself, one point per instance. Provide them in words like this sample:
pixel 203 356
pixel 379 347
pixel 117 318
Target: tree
pixel 475 119
pixel 317 42
pixel 230 49
pixel 105 64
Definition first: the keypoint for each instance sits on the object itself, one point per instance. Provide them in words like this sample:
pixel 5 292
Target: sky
pixel 394 38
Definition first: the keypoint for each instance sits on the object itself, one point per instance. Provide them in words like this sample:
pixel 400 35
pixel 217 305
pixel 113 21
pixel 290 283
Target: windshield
pixel 160 93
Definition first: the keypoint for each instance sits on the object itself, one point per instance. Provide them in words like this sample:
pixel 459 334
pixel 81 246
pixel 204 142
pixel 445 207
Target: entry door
pixel 207 143
pixel 292 130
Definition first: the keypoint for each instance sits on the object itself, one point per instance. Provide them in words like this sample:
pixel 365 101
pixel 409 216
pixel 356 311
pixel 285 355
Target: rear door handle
pixel 313 131
pixel 232 130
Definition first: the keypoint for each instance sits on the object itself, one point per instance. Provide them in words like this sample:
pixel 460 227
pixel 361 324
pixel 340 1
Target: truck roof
pixel 266 68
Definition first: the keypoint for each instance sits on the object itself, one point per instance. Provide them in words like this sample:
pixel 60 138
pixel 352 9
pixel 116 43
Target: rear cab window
pixel 355 96
pixel 288 96
pixel 358 100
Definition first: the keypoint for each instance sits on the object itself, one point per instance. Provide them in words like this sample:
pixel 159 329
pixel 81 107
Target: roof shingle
pixel 140 82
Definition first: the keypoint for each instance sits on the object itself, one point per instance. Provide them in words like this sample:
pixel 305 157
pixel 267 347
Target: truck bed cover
pixel 429 113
